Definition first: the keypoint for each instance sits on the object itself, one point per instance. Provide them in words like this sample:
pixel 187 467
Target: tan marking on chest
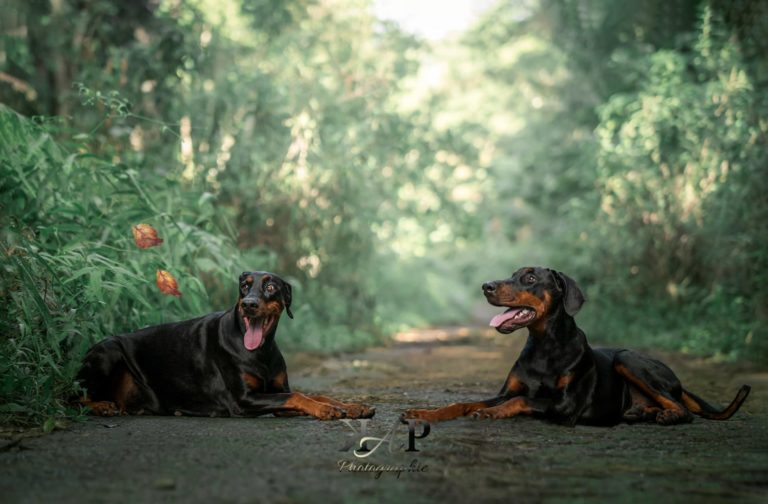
pixel 514 385
pixel 278 382
pixel 564 380
pixel 253 382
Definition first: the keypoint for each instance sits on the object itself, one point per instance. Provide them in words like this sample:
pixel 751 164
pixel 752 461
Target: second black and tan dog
pixel 222 364
pixel 558 376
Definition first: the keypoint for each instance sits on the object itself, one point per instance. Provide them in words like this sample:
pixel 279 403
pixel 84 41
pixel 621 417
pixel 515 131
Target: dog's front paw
pixel 359 410
pixel 329 412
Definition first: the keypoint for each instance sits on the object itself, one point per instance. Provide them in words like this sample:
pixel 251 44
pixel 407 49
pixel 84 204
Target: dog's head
pixel 263 296
pixel 531 295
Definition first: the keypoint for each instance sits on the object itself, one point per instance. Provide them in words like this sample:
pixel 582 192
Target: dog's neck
pixel 560 336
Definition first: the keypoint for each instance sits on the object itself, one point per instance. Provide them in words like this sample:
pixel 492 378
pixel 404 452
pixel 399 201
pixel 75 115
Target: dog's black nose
pixel 489 287
pixel 250 303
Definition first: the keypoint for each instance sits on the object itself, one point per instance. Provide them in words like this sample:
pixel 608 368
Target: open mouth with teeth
pixel 255 328
pixel 513 319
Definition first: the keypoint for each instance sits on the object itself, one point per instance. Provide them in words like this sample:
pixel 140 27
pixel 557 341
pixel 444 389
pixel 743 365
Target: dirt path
pixel 284 460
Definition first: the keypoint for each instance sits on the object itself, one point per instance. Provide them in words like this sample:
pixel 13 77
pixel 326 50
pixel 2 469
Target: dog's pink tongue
pixel 253 334
pixel 503 317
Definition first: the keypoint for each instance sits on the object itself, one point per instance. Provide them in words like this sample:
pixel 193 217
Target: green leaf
pixel 206 264
pixel 13 408
pixel 49 425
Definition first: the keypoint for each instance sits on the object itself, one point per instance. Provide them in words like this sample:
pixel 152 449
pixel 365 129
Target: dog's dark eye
pixel 530 279
pixel 270 288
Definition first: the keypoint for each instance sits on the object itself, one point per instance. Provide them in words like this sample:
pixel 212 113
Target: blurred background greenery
pixel 385 173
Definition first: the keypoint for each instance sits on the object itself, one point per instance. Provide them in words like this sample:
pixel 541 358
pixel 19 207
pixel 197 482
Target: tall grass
pixel 71 272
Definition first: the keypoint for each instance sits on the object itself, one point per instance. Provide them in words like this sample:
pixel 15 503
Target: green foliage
pixel 679 175
pixel 641 165
pixel 71 273
pixel 249 141
pixel 331 167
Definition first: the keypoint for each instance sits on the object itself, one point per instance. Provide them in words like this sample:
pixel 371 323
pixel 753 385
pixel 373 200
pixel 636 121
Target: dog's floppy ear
pixel 573 298
pixel 287 298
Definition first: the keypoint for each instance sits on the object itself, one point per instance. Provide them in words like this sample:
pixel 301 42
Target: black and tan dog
pixel 222 364
pixel 558 376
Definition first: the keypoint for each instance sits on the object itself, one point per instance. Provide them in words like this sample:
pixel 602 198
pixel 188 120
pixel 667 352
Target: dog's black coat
pixel 559 376
pixel 202 366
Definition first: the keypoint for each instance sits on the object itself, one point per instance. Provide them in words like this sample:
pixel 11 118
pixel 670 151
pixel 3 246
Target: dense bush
pixel 681 172
pixel 642 168
pixel 71 272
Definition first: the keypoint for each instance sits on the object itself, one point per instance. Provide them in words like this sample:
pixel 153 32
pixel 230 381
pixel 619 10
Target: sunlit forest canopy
pixel 384 173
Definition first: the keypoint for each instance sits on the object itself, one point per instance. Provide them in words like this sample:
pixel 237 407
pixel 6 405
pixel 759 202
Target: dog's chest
pixel 253 382
pixel 541 380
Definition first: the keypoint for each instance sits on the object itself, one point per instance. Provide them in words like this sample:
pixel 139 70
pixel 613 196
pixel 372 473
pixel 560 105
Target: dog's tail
pixel 702 408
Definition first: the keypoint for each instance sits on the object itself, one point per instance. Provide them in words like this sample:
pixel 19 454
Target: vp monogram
pixel 366 445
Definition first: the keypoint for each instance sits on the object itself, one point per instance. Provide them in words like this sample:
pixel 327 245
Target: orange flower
pixel 167 284
pixel 145 236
